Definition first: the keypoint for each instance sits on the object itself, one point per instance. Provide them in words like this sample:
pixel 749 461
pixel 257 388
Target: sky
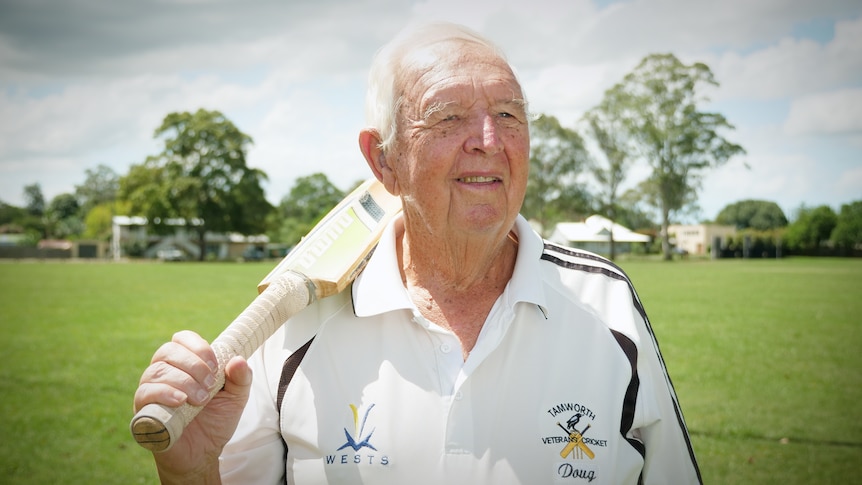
pixel 85 83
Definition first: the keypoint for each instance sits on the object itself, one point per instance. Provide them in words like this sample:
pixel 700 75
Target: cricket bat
pixel 322 264
pixel 576 438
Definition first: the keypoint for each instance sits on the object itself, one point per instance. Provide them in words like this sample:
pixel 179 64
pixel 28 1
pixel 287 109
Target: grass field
pixel 765 356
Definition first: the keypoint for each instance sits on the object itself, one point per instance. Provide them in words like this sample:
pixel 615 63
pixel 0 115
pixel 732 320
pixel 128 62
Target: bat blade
pixel 322 264
pixel 337 248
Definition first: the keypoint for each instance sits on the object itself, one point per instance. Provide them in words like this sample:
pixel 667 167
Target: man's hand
pixel 184 370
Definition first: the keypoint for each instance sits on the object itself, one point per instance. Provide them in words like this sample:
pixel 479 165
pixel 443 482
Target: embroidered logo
pixel 363 451
pixel 576 448
pixel 359 431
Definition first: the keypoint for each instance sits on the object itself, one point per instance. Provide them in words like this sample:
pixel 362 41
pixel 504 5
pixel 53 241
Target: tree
pixel 755 214
pixel 100 186
pixel 657 105
pixel 63 217
pixel 811 229
pixel 847 233
pixel 11 215
pixel 16 220
pixel 613 163
pixel 34 203
pixel 34 200
pixel 98 198
pixel 200 177
pixel 632 212
pixel 64 206
pixel 147 192
pixel 557 157
pixel 98 223
pixel 310 198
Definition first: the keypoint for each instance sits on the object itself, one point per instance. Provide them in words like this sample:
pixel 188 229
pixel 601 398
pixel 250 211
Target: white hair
pixel 384 96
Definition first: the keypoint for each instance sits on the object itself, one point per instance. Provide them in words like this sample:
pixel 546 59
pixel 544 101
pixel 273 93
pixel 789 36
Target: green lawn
pixel 75 340
pixel 766 359
pixel 765 356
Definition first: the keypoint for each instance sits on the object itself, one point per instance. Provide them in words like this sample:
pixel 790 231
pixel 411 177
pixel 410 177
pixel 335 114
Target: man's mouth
pixel 478 180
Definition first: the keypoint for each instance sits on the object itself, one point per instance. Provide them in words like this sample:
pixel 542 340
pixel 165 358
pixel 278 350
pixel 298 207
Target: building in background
pixel 131 238
pixel 594 235
pixel 700 239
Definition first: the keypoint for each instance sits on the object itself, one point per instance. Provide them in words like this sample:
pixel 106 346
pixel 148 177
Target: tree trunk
pixel 202 242
pixel 665 237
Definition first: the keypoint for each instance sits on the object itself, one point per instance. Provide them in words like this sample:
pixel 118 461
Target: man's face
pixel 461 153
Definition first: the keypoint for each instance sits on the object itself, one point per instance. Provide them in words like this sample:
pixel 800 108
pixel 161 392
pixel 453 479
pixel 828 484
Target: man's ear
pixel 369 144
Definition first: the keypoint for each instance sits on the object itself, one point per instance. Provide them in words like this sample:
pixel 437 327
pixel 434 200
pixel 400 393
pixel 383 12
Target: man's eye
pixel 508 116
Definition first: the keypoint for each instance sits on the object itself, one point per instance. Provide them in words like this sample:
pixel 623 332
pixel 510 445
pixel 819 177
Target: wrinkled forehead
pixel 457 57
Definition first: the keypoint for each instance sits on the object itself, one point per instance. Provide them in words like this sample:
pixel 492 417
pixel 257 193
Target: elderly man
pixel 469 350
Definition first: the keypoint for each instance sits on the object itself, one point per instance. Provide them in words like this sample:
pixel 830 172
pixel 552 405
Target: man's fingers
pixel 175 375
pixel 158 393
pixel 169 386
pixel 237 376
pixel 197 345
pixel 171 356
pixel 182 369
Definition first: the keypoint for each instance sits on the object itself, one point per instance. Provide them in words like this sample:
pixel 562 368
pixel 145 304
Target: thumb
pixel 237 378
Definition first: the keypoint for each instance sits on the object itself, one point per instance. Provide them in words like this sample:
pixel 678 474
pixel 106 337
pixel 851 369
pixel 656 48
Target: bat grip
pixel 157 427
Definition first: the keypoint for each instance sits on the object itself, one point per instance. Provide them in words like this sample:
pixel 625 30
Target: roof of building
pixel 595 229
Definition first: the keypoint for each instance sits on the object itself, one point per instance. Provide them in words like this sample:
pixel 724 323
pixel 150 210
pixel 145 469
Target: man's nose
pixel 484 135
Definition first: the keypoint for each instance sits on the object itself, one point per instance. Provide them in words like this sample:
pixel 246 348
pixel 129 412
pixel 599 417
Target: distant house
pixel 700 238
pixel 16 239
pixel 183 244
pixel 594 235
pixel 54 249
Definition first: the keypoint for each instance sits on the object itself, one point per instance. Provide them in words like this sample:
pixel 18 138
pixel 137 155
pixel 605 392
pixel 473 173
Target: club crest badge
pixel 576 445
pixel 575 441
pixel 358 432
pixel 358 447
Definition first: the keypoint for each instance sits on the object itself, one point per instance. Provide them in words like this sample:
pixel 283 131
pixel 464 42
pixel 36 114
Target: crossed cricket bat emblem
pixel 576 438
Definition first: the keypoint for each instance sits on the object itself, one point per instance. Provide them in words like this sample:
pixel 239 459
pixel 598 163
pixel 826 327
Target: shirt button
pixel 445 348
pixel 459 395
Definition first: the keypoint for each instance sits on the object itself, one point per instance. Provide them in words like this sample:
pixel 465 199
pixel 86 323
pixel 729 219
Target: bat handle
pixel 157 427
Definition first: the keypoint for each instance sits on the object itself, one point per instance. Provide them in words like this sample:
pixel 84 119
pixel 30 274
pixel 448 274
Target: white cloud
pixel 96 115
pixel 780 178
pixel 790 67
pixel 837 112
pixel 788 170
pixel 290 74
pixel 566 90
pixel 850 185
pixel 303 133
pixel 77 39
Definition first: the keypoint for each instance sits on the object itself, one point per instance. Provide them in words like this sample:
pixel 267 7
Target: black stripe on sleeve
pixel 565 259
pixel 631 397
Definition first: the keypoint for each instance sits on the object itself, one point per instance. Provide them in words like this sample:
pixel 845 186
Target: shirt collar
pixel 379 288
pixel 526 283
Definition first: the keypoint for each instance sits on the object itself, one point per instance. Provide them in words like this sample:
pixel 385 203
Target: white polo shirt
pixel 564 385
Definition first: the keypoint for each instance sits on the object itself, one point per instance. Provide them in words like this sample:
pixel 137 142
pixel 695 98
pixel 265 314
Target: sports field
pixel 766 357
